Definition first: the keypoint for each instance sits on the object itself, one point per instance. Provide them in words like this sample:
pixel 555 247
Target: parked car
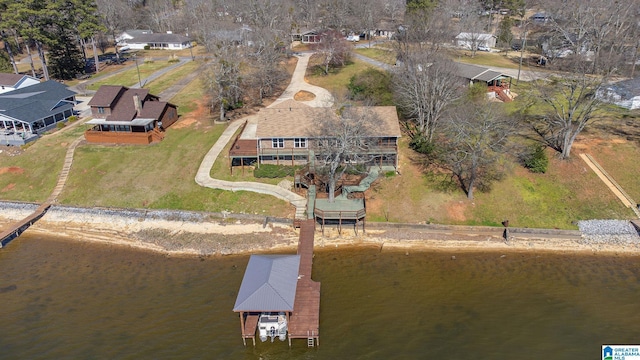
pixel 353 38
pixel 483 48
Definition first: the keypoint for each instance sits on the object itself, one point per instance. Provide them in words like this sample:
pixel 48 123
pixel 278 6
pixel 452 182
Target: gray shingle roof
pixel 269 284
pixel 35 102
pixel 474 72
pixel 627 89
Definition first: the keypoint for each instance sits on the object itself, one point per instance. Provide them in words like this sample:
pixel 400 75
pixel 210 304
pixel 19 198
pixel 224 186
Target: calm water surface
pixel 62 299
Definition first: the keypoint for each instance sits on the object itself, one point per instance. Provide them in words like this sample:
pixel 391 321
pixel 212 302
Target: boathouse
pixel 280 287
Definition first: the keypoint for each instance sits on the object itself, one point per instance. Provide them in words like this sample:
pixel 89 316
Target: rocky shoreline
pixel 206 234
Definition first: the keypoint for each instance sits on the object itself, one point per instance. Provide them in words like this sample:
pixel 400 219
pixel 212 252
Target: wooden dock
pixel 281 285
pixel 304 322
pixel 21 226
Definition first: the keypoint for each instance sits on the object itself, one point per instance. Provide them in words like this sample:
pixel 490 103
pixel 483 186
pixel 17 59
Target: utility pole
pixel 135 57
pixel 524 43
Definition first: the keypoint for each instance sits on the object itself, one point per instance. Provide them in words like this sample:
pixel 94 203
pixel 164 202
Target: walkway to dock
pixel 305 319
pixel 18 228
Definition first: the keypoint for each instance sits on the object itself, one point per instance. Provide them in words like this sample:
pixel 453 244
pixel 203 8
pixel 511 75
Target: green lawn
pixel 36 169
pixel 159 176
pixel 382 55
pixel 338 79
pixel 130 77
pixel 167 80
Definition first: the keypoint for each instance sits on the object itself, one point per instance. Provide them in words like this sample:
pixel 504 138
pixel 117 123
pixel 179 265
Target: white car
pixel 353 38
pixel 483 48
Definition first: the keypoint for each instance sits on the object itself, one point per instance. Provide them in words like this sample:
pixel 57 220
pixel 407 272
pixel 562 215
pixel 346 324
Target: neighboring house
pixel 28 111
pixel 283 134
pixel 385 29
pixel 472 41
pixel 166 41
pixel 306 36
pixel 624 93
pixel 10 82
pixel 498 84
pixel 128 116
pixel 130 34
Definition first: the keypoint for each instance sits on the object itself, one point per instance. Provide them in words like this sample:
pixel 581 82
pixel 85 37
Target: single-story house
pixel 624 93
pixel 128 116
pixel 166 41
pixel 10 82
pixel 28 111
pixel 306 36
pixel 469 40
pixel 385 29
pixel 283 134
pixel 498 84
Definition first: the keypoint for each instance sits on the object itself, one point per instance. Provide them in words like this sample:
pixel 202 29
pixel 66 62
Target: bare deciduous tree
pixel 224 82
pixel 568 104
pixel 474 141
pixel 342 140
pixel 334 50
pixel 265 56
pixel 425 85
pixel 115 15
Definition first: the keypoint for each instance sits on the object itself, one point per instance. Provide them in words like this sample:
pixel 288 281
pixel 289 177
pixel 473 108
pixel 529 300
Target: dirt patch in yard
pixel 11 170
pixel 8 187
pixel 304 96
pixel 197 118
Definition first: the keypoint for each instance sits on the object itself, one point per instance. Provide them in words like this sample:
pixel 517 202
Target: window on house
pixel 300 143
pixel 100 110
pixel 277 143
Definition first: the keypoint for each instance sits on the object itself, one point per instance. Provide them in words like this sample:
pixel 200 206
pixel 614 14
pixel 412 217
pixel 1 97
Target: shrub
pixel 147 47
pixel 173 58
pixel 537 161
pixel 72 118
pixel 274 171
pixel 60 125
pixel 373 86
pixel 422 145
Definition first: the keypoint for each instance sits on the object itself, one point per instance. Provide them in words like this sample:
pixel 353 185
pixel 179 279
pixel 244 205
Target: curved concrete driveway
pixel 203 178
pixel 323 96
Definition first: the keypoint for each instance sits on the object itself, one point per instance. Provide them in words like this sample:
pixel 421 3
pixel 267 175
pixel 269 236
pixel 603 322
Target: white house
pixel 470 40
pixel 624 93
pixel 167 41
pixel 10 82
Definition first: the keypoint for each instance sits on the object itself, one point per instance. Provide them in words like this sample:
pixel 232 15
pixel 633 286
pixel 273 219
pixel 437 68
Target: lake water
pixel 75 300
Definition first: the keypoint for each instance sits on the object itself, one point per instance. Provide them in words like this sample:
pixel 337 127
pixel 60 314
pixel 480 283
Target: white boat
pixel 272 325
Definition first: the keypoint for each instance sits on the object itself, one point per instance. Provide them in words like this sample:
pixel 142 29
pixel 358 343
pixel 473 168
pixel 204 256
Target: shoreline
pixel 183 233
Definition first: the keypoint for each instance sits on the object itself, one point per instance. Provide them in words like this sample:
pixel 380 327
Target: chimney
pixel 137 104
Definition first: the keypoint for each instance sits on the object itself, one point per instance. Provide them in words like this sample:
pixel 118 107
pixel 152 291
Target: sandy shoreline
pixel 197 234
